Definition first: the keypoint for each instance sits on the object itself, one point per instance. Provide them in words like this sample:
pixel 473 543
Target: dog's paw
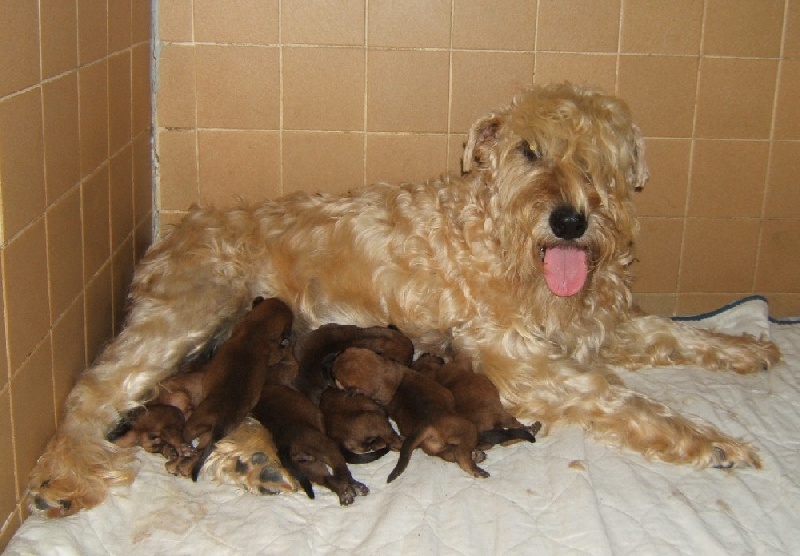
pixel 247 458
pixel 347 490
pixel 748 355
pixel 729 455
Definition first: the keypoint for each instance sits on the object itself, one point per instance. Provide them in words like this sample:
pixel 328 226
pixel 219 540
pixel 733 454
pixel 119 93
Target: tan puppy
pixel 423 409
pixel 157 428
pixel 358 424
pixel 478 400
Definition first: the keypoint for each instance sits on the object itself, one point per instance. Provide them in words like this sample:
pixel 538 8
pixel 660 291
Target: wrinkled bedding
pixel 565 494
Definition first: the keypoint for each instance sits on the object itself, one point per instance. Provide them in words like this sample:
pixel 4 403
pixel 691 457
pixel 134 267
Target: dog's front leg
pixel 658 341
pixel 561 390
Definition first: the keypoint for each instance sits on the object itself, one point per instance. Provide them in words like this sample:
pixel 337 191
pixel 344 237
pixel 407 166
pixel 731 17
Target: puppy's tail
pixel 366 457
pixel 505 436
pixel 294 471
pixel 410 444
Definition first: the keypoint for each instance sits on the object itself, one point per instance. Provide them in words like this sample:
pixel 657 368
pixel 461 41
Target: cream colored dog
pixel 521 264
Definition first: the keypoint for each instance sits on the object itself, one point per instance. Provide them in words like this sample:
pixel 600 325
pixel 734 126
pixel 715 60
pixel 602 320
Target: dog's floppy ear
pixel 482 137
pixel 639 172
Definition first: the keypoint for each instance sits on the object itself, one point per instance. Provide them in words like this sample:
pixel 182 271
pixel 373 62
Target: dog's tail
pixel 294 471
pixel 410 444
pixel 504 436
pixel 366 457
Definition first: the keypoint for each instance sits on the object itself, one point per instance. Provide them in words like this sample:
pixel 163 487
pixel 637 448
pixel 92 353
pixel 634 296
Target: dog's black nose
pixel 567 223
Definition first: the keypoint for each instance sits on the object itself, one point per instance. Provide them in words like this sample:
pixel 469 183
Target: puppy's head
pixel 560 164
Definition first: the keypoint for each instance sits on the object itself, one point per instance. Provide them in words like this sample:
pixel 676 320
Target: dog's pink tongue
pixel 565 270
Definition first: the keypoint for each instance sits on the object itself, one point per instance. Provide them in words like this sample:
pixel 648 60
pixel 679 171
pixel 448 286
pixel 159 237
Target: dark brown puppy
pixel 157 428
pixel 297 430
pixel 233 379
pixel 423 409
pixel 317 350
pixel 358 424
pixel 478 400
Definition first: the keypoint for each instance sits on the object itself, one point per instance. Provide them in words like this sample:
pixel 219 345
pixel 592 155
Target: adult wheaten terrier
pixel 522 263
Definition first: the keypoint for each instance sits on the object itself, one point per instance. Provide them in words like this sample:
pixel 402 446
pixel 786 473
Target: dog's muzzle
pixel 567 223
pixel 566 266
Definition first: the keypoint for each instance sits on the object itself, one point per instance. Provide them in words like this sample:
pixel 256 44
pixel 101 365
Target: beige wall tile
pixel 32 408
pixel 119 101
pixel 323 89
pixel 141 93
pixel 141 20
pixel 175 20
pixel 782 305
pixel 99 312
pixel 791 47
pixel 322 22
pixel 92 30
pixel 658 27
pixel 175 95
pixel 598 71
pixel 455 152
pixel 96 225
pixel 143 237
pixel 777 263
pixel 27 300
pixel 408 91
pixel 69 351
pixel 657 303
pixel 405 158
pixel 787 120
pixel 4 371
pixel 237 87
pixel 658 254
pixel 238 164
pixel 743 28
pixel 21 160
pixel 93 90
pixel 661 93
pixel 338 161
pixel 8 480
pixel 712 262
pixel 19 46
pixel 61 139
pixel 122 266
pixel 59 35
pixel 665 192
pixel 413 23
pixel 690 304
pixel 578 25
pixel 64 252
pixel 735 98
pixel 250 21
pixel 728 178
pixel 487 26
pixel 177 169
pixel 121 196
pixel 142 178
pixel 509 73
pixel 119 25
pixel 783 189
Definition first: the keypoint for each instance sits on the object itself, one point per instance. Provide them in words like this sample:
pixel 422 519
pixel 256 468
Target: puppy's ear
pixel 257 301
pixel 480 140
pixel 639 173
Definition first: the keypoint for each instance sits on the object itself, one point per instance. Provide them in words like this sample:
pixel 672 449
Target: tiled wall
pixel 263 97
pixel 76 194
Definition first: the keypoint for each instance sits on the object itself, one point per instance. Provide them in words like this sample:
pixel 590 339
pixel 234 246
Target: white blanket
pixel 565 494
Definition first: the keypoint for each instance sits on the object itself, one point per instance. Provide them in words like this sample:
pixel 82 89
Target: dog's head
pixel 560 162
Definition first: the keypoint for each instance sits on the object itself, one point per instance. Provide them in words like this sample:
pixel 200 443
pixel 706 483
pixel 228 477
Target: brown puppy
pixel 232 380
pixel 478 400
pixel 157 428
pixel 297 430
pixel 316 351
pixel 358 424
pixel 423 409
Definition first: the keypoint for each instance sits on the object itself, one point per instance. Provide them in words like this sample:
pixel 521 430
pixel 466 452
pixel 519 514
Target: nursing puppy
pixel 359 425
pixel 233 379
pixel 477 399
pixel 423 409
pixel 316 351
pixel 157 428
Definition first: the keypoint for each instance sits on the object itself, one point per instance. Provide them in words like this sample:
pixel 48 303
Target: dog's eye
pixel 528 152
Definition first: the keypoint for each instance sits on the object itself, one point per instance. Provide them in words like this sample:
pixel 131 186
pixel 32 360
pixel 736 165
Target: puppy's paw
pixel 247 458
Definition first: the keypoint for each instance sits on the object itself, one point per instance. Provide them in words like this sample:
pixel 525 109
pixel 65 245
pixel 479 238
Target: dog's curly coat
pixel 521 263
